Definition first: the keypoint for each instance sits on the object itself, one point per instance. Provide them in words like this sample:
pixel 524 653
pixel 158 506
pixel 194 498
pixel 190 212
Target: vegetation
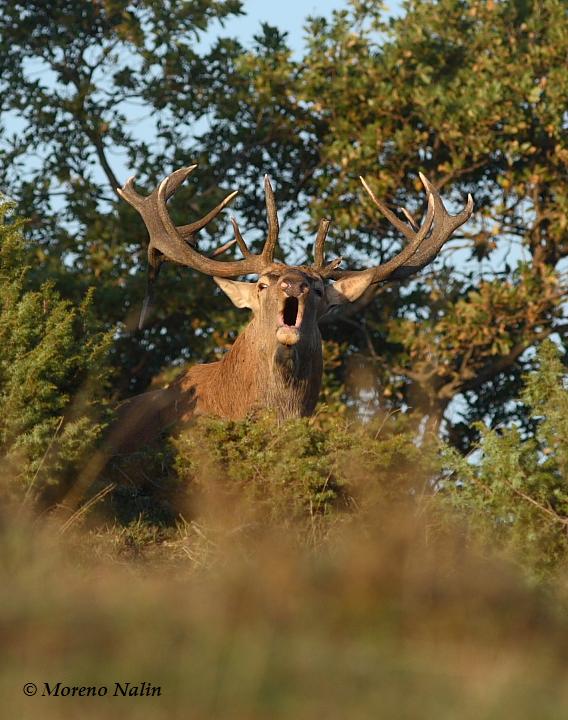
pixel 307 474
pixel 53 377
pixel 471 93
pixel 378 557
pixel 515 490
pixel 385 621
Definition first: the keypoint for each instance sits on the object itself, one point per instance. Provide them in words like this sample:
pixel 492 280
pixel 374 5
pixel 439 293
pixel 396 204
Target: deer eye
pixel 262 286
pixel 318 291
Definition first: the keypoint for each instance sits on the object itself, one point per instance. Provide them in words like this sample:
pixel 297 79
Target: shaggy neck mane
pixel 258 373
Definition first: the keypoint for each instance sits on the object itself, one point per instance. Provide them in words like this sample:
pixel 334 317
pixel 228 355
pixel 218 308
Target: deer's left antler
pixel 423 246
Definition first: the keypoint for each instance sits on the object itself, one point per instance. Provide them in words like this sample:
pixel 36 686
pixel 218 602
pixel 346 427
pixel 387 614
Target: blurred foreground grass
pixel 387 616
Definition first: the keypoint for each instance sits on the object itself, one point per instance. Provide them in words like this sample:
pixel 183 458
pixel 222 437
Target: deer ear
pixel 347 289
pixel 241 294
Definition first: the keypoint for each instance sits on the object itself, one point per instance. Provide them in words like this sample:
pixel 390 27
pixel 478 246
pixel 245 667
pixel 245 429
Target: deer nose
pixel 294 287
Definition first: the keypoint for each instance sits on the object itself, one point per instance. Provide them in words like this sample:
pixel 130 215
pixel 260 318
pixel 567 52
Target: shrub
pixel 513 490
pixel 302 472
pixel 53 375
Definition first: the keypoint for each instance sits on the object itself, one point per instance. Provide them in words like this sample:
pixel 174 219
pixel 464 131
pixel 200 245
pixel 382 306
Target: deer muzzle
pixel 290 319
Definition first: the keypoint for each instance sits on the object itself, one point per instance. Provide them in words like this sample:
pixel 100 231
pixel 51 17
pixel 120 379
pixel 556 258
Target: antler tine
pixel 187 231
pixel 177 178
pixel 239 238
pixel 410 219
pixel 420 251
pixel 273 225
pixel 173 182
pixel 223 248
pixel 390 216
pixel 319 245
pixel 382 272
pixel 128 193
pixel 329 270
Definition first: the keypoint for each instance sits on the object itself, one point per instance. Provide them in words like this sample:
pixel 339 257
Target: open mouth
pixel 291 313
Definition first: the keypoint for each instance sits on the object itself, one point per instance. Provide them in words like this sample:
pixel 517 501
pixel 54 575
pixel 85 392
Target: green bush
pixel 53 376
pixel 513 490
pixel 302 472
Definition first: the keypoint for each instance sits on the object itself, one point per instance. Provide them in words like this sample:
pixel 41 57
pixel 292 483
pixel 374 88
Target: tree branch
pixel 97 141
pixel 502 363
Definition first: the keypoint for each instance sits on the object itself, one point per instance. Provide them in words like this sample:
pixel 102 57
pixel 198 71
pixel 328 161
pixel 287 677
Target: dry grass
pixel 388 615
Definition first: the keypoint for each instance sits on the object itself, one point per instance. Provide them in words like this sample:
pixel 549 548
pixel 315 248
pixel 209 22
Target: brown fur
pixel 257 373
pixel 253 375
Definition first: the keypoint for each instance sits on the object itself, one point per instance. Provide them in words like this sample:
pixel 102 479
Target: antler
pixel 172 243
pixel 421 249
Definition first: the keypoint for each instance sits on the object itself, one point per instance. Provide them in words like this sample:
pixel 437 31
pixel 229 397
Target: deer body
pixel 276 362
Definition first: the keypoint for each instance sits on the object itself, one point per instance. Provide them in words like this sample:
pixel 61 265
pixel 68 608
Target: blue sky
pixel 289 15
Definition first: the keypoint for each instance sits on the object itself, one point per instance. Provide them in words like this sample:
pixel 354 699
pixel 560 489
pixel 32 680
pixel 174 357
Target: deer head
pixel 287 301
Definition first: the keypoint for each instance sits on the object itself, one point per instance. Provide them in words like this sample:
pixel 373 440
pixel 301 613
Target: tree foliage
pixel 93 91
pixel 471 93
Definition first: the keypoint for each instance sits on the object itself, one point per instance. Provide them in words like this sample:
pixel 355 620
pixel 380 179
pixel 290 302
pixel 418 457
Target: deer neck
pixel 258 372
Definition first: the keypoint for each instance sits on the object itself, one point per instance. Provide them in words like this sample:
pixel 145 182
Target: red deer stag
pixel 276 362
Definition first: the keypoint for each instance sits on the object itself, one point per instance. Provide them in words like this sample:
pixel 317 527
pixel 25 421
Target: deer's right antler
pixel 177 244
